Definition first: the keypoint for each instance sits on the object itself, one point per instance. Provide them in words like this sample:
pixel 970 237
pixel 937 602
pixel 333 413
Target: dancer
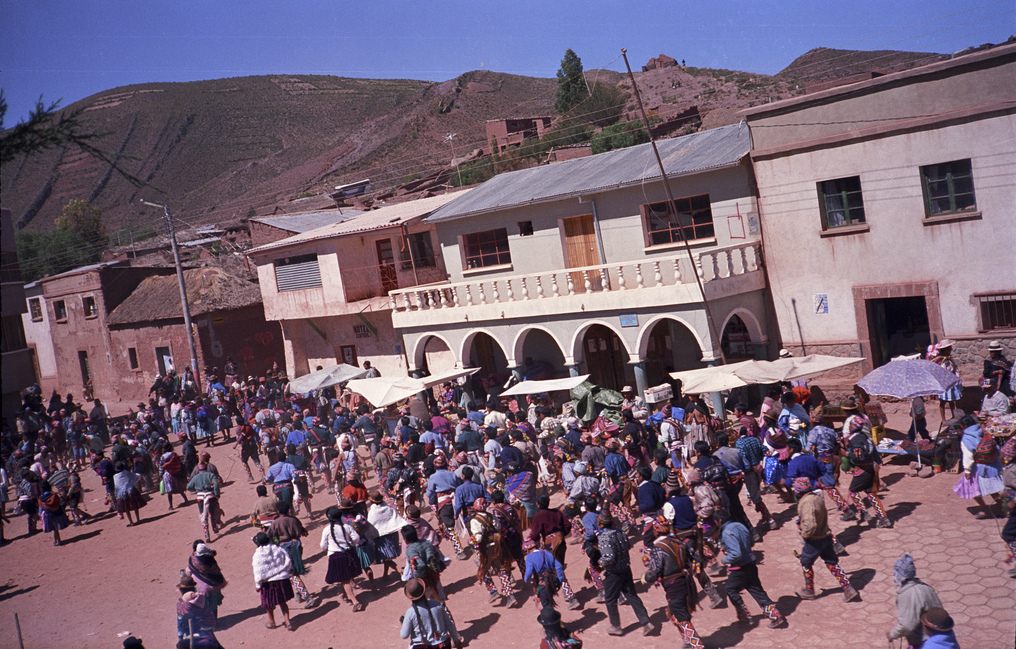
pixel 668 562
pixel 340 541
pixel 272 572
pixel 743 575
pixel 126 496
pixel 813 525
pixel 617 577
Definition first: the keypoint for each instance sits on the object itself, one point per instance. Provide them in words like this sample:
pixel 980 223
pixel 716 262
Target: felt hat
pixel 627 388
pixel 848 404
pixel 415 589
pixel 377 498
pixel 204 550
pixel 937 619
pixel 130 642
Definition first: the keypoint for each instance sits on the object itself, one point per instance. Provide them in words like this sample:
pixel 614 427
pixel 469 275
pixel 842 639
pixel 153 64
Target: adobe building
pixel 76 305
pixel 512 131
pixel 147 334
pixel 887 210
pixel 266 229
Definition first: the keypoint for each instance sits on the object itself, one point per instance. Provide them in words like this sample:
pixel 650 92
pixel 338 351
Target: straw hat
pixel 415 589
pixel 945 343
pixel 785 353
pixel 994 346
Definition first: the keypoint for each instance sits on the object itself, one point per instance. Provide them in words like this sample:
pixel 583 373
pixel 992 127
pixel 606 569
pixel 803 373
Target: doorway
pixel 581 250
pixel 164 360
pixel 897 326
pixel 86 374
pixel 605 356
pixel 386 265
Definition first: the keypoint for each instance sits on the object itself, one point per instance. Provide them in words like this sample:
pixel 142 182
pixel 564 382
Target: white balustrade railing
pixel 710 265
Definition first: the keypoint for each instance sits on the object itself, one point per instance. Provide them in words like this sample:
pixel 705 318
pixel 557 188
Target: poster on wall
pixel 347 354
pixel 821 304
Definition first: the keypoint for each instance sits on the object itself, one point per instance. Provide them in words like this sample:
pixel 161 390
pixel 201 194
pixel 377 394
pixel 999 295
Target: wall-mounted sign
pixel 629 319
pixel 821 304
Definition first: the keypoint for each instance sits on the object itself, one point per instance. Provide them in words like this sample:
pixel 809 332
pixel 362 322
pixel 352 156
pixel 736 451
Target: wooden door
pixel 580 249
pixel 386 265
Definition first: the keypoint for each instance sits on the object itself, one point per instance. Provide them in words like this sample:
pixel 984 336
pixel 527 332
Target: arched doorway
pixel 605 357
pixel 669 347
pixel 486 353
pixel 539 357
pixel 433 355
pixel 736 340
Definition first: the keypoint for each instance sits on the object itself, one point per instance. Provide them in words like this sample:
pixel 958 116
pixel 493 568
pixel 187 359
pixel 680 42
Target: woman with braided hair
pixel 340 541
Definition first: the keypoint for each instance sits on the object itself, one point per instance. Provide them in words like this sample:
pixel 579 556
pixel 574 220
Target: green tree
pixel 619 136
pixel 571 83
pixel 83 220
pixel 604 105
pixel 78 239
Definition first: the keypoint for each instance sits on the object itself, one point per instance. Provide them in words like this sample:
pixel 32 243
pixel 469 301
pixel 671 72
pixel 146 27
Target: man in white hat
pixel 785 353
pixel 631 400
pixel 998 374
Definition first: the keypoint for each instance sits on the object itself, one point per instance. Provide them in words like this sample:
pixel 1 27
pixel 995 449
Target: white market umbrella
pixel 908 379
pixel 549 385
pixel 324 378
pixel 794 367
pixel 717 378
pixel 383 391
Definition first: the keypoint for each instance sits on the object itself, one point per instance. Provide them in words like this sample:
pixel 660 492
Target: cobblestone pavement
pixel 111 579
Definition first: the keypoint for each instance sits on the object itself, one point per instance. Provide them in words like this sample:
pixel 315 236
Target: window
pixel 691 219
pixel 163 360
pixel 347 355
pixel 948 188
pixel 295 273
pixel 132 358
pixel 12 338
pixel 361 331
pixel 841 202
pixel 422 249
pixel 998 311
pixel 488 248
pixel 60 311
pixel 88 305
pixel 525 228
pixel 35 309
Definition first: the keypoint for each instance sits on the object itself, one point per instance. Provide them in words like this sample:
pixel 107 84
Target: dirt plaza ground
pixel 108 580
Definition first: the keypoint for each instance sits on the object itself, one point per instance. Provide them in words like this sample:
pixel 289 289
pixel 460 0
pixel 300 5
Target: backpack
pixel 716 474
pixel 986 451
pixel 859 450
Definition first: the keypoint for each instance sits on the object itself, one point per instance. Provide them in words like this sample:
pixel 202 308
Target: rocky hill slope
pixel 225 149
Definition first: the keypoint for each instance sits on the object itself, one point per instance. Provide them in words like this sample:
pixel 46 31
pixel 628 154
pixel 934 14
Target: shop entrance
pixel 897 326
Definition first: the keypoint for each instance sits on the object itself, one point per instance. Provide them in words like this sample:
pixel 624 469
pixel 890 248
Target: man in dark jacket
pixel 617 577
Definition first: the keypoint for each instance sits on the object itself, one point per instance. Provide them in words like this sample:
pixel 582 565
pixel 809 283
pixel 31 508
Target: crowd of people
pixel 507 484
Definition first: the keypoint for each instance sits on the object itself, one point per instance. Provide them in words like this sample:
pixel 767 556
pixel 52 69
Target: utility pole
pixel 185 306
pixel 670 210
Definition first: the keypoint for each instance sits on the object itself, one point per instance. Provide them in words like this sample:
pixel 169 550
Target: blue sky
pixel 72 48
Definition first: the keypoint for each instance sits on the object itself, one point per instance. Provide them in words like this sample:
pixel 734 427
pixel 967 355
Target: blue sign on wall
pixel 629 319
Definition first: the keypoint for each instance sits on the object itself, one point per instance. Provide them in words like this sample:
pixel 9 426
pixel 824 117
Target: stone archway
pixel 433 354
pixel 538 355
pixel 735 341
pixel 668 345
pixel 605 357
pixel 482 350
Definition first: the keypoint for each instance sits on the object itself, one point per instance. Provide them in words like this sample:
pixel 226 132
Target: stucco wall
pixel 39 338
pixel 962 257
pixel 621 225
pixel 318 341
pixel 349 274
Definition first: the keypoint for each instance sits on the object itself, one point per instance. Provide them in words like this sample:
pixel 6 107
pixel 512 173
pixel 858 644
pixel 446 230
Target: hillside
pixel 221 150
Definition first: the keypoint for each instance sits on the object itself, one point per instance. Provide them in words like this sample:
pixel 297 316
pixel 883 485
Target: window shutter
pixel 295 276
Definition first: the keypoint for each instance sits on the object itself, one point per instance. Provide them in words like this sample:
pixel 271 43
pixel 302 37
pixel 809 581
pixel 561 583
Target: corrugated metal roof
pixel 711 149
pixel 383 217
pixel 306 221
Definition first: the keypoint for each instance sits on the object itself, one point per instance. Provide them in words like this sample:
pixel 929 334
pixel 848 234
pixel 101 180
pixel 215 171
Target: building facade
pixel 18 371
pixel 579 267
pixel 328 288
pixel 76 307
pixel 39 337
pixel 148 337
pixel 888 209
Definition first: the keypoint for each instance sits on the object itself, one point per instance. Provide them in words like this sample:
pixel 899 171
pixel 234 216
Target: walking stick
pixel 190 629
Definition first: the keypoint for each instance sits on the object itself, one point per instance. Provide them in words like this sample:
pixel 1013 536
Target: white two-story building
pixel 580 267
pixel 328 287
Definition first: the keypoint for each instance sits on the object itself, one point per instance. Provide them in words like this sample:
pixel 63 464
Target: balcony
pixel 607 287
